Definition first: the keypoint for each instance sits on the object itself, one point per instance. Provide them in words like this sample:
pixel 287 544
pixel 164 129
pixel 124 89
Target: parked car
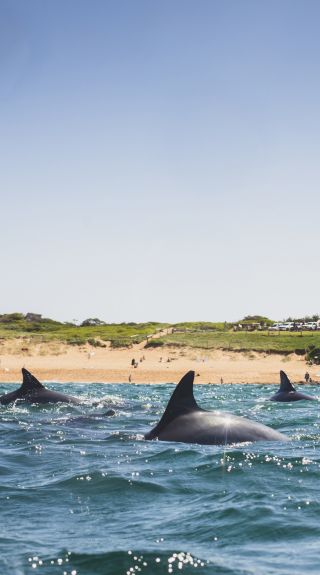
pixel 293 326
pixel 274 327
pixel 310 325
pixel 287 326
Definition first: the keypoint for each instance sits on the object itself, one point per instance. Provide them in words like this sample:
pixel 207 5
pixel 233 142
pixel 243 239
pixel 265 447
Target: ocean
pixel 83 495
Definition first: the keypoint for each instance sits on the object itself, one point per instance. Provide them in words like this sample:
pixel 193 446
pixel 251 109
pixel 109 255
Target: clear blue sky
pixel 159 160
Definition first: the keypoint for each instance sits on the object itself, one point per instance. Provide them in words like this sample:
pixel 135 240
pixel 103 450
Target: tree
pixel 92 321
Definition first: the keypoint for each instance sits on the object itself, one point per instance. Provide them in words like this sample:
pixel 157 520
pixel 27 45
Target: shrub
pixel 11 317
pixel 96 342
pixel 120 343
pixel 313 355
pixel 77 341
pixel 154 343
pixel 92 321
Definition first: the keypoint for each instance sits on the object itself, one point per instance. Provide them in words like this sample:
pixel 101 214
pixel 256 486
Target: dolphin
pixel 87 418
pixel 32 391
pixel 287 392
pixel 183 420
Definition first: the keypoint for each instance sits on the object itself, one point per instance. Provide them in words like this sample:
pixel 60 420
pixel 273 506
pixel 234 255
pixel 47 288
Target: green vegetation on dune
pixel 202 335
pixel 196 326
pixel 261 341
pixel 45 330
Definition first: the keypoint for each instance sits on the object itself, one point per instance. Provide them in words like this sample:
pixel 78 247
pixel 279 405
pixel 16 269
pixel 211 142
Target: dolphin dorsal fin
pixel 181 402
pixel 30 383
pixel 285 383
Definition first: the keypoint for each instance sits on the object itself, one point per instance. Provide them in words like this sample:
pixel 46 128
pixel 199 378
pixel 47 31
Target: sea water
pixel 84 495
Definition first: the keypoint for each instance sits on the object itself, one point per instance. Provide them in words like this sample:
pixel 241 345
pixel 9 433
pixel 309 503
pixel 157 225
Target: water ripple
pixel 83 494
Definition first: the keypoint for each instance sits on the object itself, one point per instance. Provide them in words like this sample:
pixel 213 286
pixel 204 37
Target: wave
pixel 128 562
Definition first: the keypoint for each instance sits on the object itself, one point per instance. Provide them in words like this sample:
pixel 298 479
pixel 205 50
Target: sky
pixel 159 161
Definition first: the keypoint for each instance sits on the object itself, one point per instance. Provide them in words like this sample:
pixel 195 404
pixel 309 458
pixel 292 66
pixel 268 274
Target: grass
pixel 47 330
pixel 201 326
pixel 261 341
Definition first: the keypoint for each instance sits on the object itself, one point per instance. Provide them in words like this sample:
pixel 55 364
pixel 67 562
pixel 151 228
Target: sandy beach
pixel 65 363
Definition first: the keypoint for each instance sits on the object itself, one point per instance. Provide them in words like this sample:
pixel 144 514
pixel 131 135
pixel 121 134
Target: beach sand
pixel 65 363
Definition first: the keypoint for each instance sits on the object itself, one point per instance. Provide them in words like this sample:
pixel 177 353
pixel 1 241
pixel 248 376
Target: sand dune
pixel 59 362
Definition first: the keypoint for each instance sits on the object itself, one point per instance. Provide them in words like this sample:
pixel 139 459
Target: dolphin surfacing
pixel 184 421
pixel 32 391
pixel 287 392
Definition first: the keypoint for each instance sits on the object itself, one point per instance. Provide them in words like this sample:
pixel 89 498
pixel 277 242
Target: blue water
pixel 89 496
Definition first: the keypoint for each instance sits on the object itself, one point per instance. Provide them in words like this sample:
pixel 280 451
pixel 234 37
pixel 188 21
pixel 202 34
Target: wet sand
pixel 65 363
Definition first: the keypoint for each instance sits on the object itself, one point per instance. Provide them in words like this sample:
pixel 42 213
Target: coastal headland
pixel 151 352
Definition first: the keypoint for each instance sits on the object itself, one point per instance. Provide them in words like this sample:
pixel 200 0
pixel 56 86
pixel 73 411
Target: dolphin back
pixel 32 391
pixel 217 428
pixel 30 383
pixel 285 383
pixel 287 392
pixel 181 402
pixel 184 421
pixel 29 386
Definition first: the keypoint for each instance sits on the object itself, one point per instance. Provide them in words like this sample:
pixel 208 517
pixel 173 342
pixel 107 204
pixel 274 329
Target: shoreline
pixel 61 363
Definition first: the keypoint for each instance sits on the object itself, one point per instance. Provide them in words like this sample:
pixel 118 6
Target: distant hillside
pixel 249 334
pixel 92 331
